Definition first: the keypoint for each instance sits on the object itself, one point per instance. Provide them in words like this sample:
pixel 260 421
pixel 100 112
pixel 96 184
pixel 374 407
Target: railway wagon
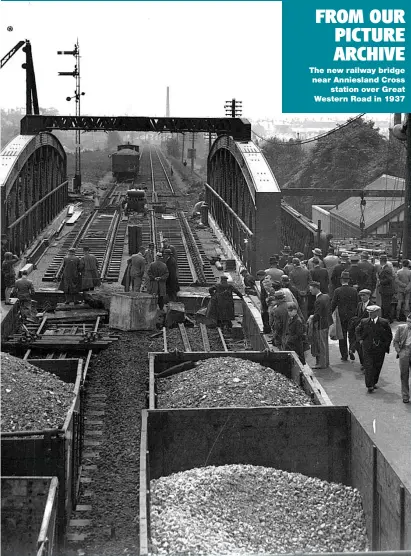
pixel 52 452
pixel 161 365
pixel 29 512
pixel 125 163
pixel 325 442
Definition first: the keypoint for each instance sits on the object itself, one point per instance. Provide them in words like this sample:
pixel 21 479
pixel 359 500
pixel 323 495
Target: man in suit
pixel 402 345
pixel 330 261
pixel 358 278
pixel 374 334
pixel 321 320
pixel 285 253
pixel 338 269
pixel 345 299
pixel 361 313
pixel 300 279
pixel 317 274
pixel 386 278
pixel 317 254
pixel 370 270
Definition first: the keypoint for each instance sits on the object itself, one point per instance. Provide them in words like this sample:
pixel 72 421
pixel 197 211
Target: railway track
pixel 104 231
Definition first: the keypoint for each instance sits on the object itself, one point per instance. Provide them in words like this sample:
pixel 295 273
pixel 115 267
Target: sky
pixel 206 52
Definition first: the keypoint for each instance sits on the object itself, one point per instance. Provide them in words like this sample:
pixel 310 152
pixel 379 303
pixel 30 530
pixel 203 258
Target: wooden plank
pixel 220 333
pixel 73 219
pixel 184 337
pixel 81 315
pixel 204 335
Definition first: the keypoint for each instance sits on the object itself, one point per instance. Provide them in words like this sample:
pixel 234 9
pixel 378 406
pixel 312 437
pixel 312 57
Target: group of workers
pixel 153 272
pixel 300 299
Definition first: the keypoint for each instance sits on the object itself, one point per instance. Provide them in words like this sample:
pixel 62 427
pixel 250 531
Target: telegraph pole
pixel 77 96
pixel 233 108
pixel 192 153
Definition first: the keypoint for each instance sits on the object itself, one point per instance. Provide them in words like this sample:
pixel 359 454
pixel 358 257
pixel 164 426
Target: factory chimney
pixel 168 103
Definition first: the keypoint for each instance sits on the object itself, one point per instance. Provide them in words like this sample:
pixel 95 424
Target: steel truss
pixel 34 189
pixel 238 128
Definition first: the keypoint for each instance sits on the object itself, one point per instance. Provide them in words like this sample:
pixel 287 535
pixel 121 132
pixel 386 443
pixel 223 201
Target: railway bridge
pixel 241 189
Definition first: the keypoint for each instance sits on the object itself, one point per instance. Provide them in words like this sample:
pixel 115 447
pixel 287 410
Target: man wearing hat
pixel 279 318
pixel 249 281
pixel 285 253
pixel 358 278
pixel 361 313
pixel 157 273
pixel 287 287
pixel 402 345
pixel 321 321
pixel 330 260
pixel 339 268
pixel 71 278
pixel 345 299
pixel 167 245
pixel 172 285
pixel 317 254
pixel 289 267
pixel 374 334
pixel 300 256
pixel 366 266
pixel 300 279
pixel 137 269
pixel 221 306
pixel 274 272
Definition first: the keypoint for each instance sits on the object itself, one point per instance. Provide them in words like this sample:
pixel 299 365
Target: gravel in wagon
pixel 228 381
pixel 32 399
pixel 245 509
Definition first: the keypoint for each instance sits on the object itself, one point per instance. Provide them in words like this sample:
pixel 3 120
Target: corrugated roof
pixel 376 207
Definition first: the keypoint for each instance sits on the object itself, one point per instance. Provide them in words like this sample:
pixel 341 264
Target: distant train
pixel 125 163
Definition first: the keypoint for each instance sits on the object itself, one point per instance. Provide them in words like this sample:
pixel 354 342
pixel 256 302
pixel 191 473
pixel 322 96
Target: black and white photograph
pixel 205 299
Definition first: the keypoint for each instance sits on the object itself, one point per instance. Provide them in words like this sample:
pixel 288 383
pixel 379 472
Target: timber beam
pixel 308 192
pixel 238 128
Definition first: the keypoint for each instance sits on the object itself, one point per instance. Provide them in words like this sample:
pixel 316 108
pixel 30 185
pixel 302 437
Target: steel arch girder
pixel 239 173
pixel 16 153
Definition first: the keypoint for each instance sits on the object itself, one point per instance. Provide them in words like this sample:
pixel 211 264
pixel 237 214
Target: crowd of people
pixel 153 272
pixel 300 300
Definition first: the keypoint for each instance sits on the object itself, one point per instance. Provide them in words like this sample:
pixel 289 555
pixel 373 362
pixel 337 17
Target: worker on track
pixel 24 290
pixel 221 306
pixel 158 274
pixel 71 278
pixel 90 277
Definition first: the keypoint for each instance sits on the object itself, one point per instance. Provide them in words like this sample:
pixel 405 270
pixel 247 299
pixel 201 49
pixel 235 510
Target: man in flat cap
pixel 345 299
pixel 321 321
pixel 374 334
pixel 361 313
